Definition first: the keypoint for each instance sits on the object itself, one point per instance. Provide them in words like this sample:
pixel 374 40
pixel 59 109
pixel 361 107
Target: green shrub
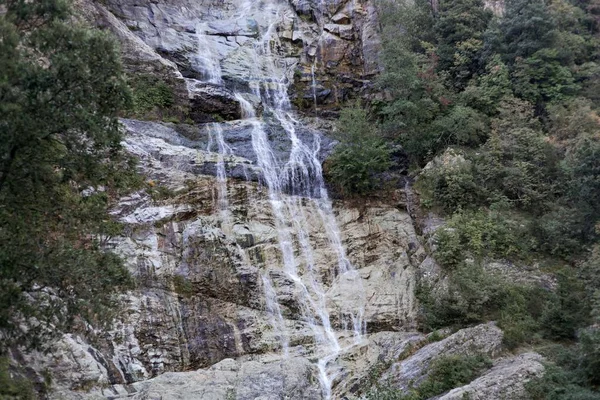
pixel 567 309
pixel 360 156
pixel 589 348
pixel 449 188
pixel 151 96
pixel 559 384
pixel 480 235
pixel 449 372
pixel 472 296
pixel 560 231
pixel 519 165
pixel 461 126
pixel 183 286
pixel 519 317
pixel 566 375
pixel 13 386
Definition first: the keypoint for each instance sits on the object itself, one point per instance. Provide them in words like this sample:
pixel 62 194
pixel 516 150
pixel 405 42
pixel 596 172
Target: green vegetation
pixel 445 373
pixel 571 371
pixel 361 154
pixel 480 235
pixel 13 387
pixel 61 90
pixel 503 110
pixel 183 286
pixel 152 99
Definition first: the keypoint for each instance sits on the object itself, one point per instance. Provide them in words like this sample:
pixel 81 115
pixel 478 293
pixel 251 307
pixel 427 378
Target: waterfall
pixel 291 184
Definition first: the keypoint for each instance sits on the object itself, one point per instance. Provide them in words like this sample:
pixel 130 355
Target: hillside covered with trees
pixel 502 111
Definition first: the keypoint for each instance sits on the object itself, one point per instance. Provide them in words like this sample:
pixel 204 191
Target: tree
pixel 487 91
pixel 61 89
pixel 459 28
pixel 582 166
pixel 417 93
pixel 361 154
pixel 542 78
pixel 527 26
pixel 517 163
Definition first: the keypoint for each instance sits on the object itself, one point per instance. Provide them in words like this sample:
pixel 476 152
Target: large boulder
pixel 294 378
pixel 505 380
pixel 482 339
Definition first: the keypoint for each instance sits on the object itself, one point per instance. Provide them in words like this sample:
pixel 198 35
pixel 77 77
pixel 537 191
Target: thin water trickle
pixel 314 87
pixel 215 137
pixel 276 318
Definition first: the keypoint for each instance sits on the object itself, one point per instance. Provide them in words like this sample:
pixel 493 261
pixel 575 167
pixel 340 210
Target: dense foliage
pixel 361 154
pixel 61 89
pixel 499 115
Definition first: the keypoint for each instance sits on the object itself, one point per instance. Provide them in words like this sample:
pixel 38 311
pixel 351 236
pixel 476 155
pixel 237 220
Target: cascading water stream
pixel 290 183
pixel 301 175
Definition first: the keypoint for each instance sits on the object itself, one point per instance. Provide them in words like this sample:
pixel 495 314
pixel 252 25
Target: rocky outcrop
pixel 329 49
pixel 360 365
pixel 483 339
pixel 209 102
pixel 496 6
pixel 505 380
pixel 294 378
pixel 139 58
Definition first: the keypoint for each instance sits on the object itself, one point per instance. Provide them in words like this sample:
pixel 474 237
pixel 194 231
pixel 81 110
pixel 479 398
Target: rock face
pixel 505 380
pixel 294 378
pixel 328 48
pixel 482 339
pixel 201 296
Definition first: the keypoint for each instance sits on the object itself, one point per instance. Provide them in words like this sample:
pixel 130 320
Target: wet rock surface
pixel 201 299
pixel 327 47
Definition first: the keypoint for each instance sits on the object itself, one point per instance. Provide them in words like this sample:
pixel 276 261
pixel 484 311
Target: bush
pixel 472 296
pixel 589 348
pixel 449 188
pixel 559 384
pixel 462 126
pixel 151 97
pixel 567 309
pixel 361 154
pixel 519 165
pixel 449 372
pixel 566 374
pixel 13 386
pixel 560 231
pixel 479 235
pixel 519 316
